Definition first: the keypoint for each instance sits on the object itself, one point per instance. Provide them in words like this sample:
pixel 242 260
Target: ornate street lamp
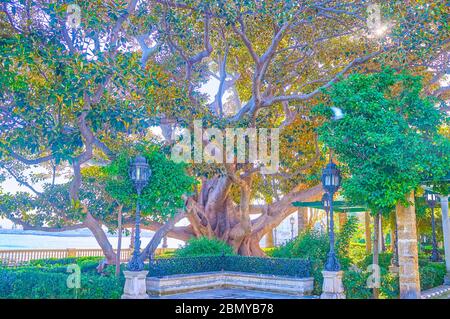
pixel 292 221
pixel 140 174
pixel 331 180
pixel 431 200
pixel 326 207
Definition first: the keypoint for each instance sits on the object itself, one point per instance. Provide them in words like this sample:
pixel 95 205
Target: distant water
pixel 27 241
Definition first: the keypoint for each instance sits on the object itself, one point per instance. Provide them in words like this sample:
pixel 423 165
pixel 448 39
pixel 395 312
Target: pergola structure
pixel 338 206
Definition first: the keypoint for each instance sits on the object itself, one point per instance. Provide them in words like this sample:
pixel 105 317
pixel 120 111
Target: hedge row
pixel 37 284
pixel 270 266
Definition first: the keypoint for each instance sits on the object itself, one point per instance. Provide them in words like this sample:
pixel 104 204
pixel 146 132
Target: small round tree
pixel 387 141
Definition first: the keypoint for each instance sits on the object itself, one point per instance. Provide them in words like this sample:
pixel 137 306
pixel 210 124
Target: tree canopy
pixel 72 93
pixel 388 141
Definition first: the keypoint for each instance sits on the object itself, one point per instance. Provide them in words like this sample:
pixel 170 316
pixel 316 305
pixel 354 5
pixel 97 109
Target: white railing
pixel 20 257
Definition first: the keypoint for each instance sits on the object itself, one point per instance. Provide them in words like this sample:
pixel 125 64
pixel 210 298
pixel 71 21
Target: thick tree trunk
pixel 96 229
pixel 368 233
pixel 269 239
pixel 214 214
pixel 407 250
pixel 162 232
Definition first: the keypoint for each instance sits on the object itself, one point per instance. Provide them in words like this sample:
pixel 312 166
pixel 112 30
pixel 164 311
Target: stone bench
pixel 167 285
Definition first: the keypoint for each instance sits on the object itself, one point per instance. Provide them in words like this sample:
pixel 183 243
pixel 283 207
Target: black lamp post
pixel 140 174
pixel 292 221
pixel 331 180
pixel 431 200
pixel 326 207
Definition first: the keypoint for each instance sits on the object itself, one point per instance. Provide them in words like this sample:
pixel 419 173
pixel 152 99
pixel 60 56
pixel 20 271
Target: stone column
pixel 446 232
pixel 332 287
pixel 135 285
pixel 368 232
pixel 407 250
pixel 302 214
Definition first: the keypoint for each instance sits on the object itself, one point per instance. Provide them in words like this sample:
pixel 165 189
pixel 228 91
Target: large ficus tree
pixel 72 94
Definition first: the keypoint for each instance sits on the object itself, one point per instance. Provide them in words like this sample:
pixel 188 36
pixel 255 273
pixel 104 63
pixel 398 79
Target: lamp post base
pixel 135 285
pixel 333 287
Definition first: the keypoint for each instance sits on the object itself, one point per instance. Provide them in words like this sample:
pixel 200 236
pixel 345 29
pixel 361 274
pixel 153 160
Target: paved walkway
pixel 440 292
pixel 232 294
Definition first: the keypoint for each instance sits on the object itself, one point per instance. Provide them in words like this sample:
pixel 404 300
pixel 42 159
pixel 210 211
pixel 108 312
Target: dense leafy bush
pixel 32 283
pixel 47 279
pixel 271 266
pixel 314 246
pixel 310 245
pixel 86 264
pixel 204 246
pixel 431 275
pixel 355 284
pixel 343 241
pixel 384 260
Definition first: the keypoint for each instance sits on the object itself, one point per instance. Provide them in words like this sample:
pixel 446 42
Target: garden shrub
pixel 314 246
pixel 390 288
pixel 311 245
pixel 47 279
pixel 384 261
pixel 259 265
pixel 343 241
pixel 432 275
pixel 33 283
pixel 355 284
pixel 204 246
pixel 357 253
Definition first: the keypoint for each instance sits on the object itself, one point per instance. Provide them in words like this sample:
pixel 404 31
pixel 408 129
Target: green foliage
pixel 310 245
pixel 343 241
pixel 384 260
pixel 431 275
pixel 204 246
pixel 388 140
pixel 47 279
pixel 355 284
pixel 258 265
pixel 29 283
pixel 162 197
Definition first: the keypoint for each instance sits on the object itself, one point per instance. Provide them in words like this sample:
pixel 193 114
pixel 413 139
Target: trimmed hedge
pixel 260 265
pixel 47 279
pixel 36 284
